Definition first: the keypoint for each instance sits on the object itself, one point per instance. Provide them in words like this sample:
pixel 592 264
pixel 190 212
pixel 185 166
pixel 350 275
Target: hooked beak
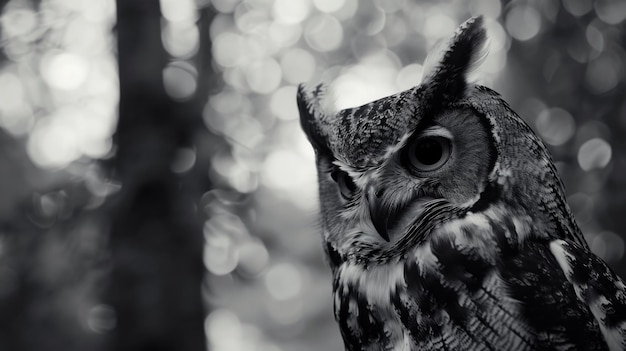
pixel 386 213
pixel 381 214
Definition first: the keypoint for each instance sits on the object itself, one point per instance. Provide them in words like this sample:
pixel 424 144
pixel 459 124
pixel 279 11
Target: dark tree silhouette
pixel 156 235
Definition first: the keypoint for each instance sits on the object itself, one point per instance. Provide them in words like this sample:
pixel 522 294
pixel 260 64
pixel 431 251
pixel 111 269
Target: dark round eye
pixel 428 153
pixel 345 183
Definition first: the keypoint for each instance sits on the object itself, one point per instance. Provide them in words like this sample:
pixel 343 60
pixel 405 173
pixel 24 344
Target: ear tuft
pixel 316 106
pixel 319 100
pixel 446 69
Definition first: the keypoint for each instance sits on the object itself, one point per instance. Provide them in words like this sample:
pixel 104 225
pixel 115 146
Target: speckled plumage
pixel 478 253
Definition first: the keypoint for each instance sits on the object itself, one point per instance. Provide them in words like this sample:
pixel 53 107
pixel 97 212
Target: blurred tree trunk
pixel 156 231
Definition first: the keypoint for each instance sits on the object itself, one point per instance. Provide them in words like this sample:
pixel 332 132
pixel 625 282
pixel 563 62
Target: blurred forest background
pixel 156 188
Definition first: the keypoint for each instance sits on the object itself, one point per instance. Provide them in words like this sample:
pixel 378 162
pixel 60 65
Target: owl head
pixel 392 170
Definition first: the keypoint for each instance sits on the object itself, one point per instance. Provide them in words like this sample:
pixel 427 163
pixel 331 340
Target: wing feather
pixel 596 286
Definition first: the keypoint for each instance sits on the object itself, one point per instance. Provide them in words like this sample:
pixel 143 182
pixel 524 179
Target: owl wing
pixel 597 286
pixel 569 296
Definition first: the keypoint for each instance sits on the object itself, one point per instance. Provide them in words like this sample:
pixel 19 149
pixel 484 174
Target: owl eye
pixel 428 153
pixel 345 183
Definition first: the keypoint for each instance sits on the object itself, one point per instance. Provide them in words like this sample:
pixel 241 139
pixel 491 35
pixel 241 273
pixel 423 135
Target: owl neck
pixel 539 194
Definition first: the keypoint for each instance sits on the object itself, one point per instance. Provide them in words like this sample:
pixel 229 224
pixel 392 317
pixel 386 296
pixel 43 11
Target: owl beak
pixel 379 213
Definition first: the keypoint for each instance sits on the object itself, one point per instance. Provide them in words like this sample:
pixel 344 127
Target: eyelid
pixel 436 131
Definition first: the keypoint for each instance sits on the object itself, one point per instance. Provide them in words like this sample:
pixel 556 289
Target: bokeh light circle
pixel 556 126
pixel 298 65
pixel 283 281
pixel 323 33
pixel 523 22
pixel 64 70
pixel 594 153
pixel 263 76
pixel 328 5
pixel 179 80
pixel 291 11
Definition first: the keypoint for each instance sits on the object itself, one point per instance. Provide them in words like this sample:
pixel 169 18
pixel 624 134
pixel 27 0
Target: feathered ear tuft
pixel 446 69
pixel 316 106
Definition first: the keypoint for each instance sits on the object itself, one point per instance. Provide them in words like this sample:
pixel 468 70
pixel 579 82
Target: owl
pixel 445 223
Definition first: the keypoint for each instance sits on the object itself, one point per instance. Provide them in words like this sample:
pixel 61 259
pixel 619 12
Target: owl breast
pixel 446 294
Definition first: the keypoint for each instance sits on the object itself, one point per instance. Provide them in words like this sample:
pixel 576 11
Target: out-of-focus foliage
pixel 559 63
pixel 58 96
pixel 58 110
pixel 58 85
